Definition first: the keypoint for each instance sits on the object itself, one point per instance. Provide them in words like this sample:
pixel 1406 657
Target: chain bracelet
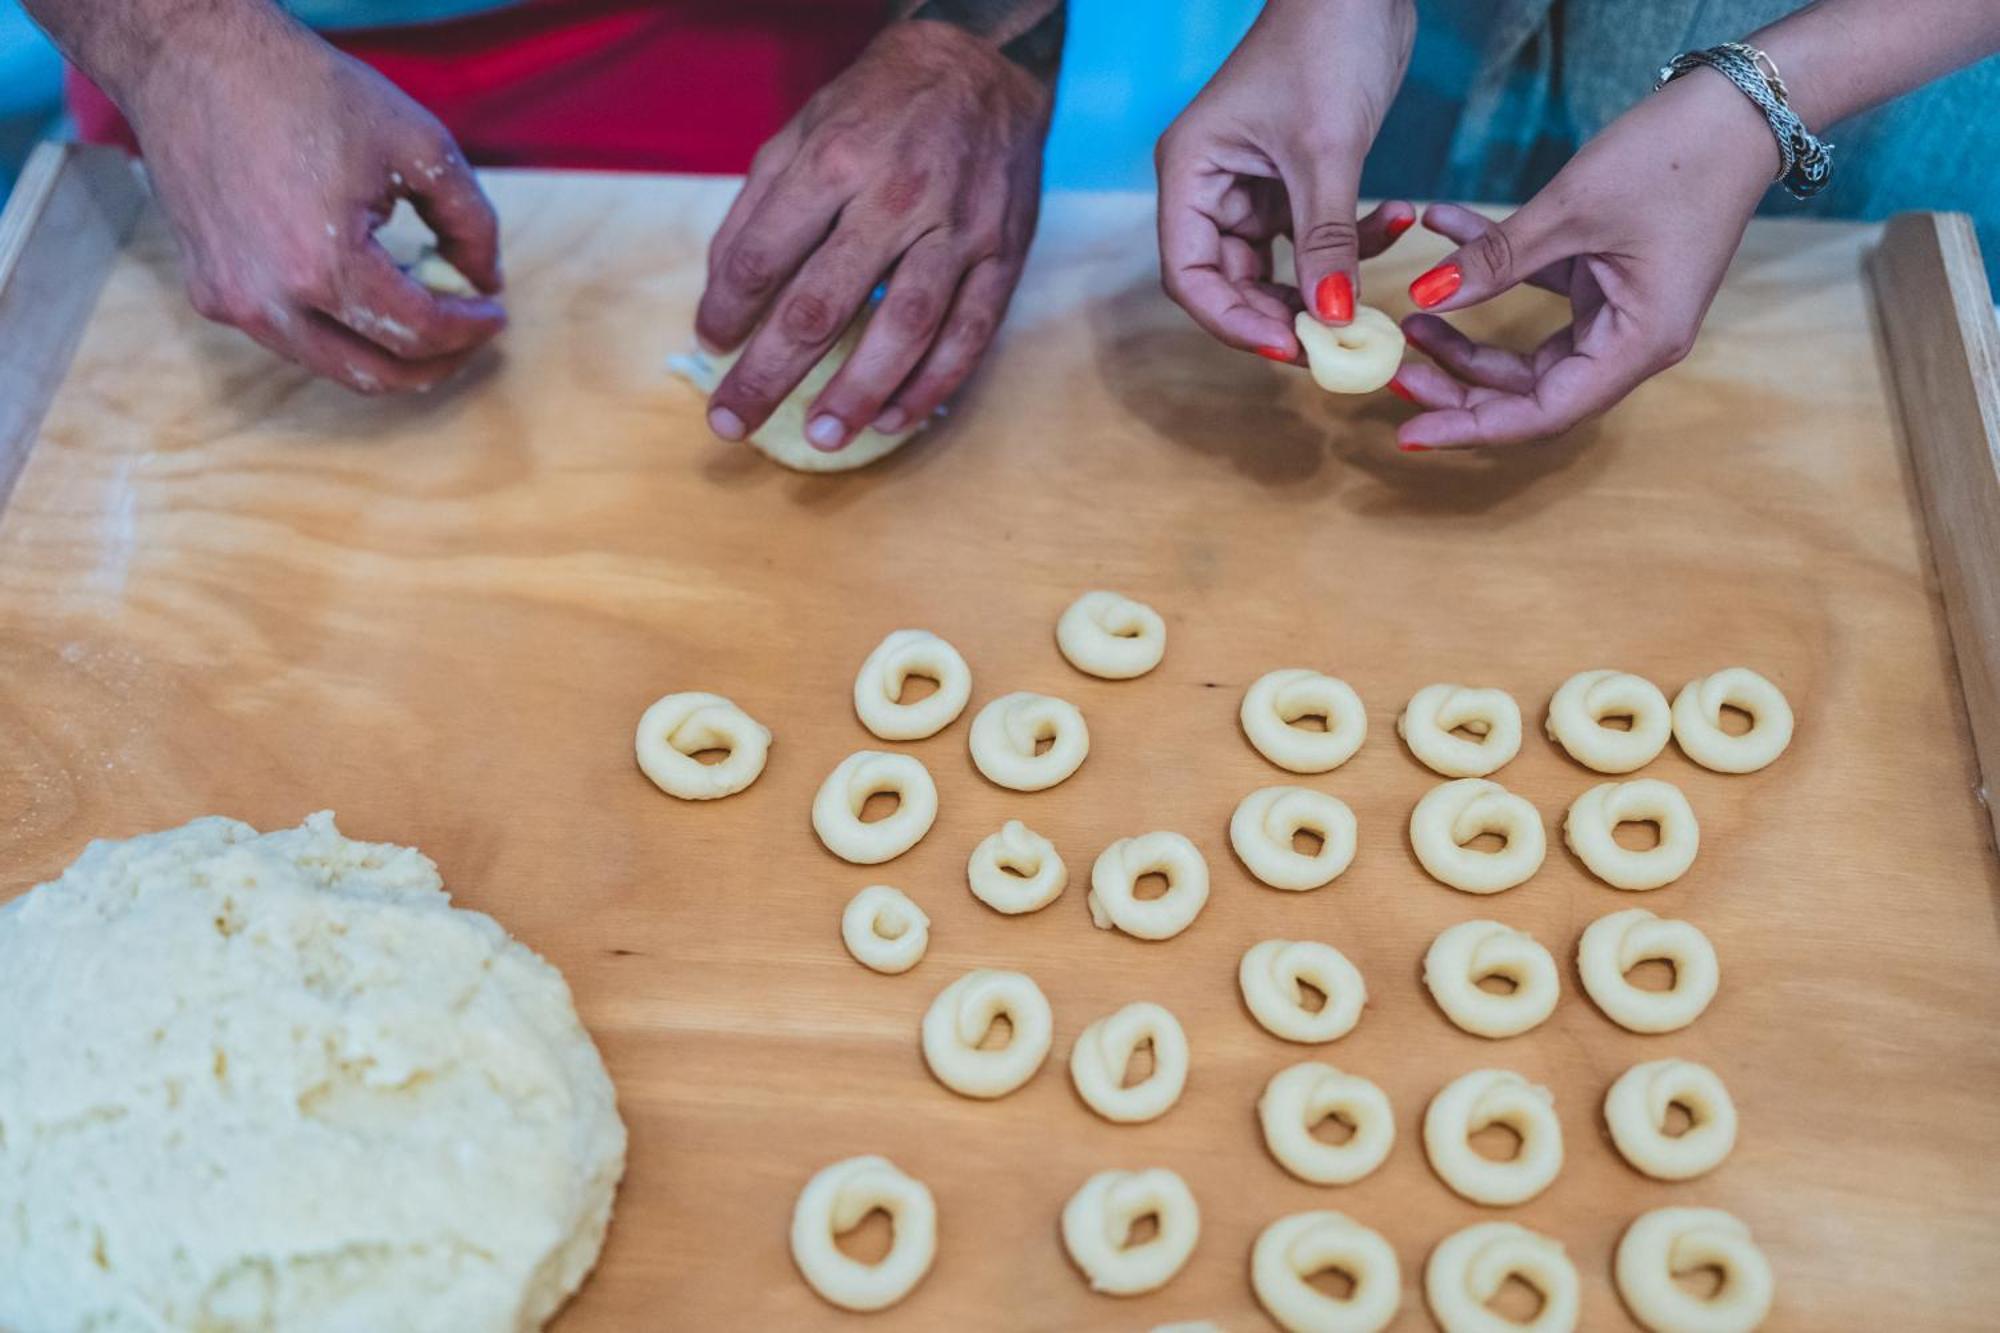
pixel 1805 161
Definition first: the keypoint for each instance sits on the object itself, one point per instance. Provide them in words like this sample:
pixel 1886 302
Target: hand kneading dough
pixel 1358 358
pixel 279 1082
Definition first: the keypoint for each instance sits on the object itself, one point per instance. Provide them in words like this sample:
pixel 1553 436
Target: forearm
pixel 118 43
pixel 1840 57
pixel 1028 32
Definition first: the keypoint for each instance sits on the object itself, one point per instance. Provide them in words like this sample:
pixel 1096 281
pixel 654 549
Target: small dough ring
pixel 1262 828
pixel 1698 721
pixel 1270 974
pixel 1298 1098
pixel 1486 1097
pixel 1124 863
pixel 1453 814
pixel 1436 710
pixel 1041 880
pixel 1670 1241
pixel 1636 1111
pixel 884 930
pixel 1471 951
pixel 835 1201
pixel 1292 1249
pixel 1111 636
pixel 836 813
pixel 1469 1267
pixel 957 1022
pixel 1098 1061
pixel 1597 813
pixel 878 689
pixel 1613 945
pixel 1578 710
pixel 1279 698
pixel 1359 357
pixel 1005 734
pixel 1099 1216
pixel 680 726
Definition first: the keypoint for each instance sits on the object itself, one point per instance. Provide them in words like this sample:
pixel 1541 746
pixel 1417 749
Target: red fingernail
pixel 1396 387
pixel 1334 298
pixel 1436 285
pixel 1278 354
pixel 1397 226
pixel 1415 448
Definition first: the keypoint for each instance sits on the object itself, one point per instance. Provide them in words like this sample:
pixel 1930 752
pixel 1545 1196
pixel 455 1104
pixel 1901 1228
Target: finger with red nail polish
pixel 1333 300
pixel 1438 285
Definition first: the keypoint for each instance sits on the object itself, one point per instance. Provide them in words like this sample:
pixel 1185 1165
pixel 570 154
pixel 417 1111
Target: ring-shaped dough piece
pixel 835 1201
pixel 1300 1097
pixel 1613 945
pixel 1007 730
pixel 1124 863
pixel 1667 1242
pixel 1698 721
pixel 1469 1267
pixel 1098 1218
pixel 1292 1249
pixel 1435 711
pixel 1486 1097
pixel 1278 699
pixel 878 687
pixel 957 1022
pixel 1270 975
pixel 1585 700
pixel 680 726
pixel 1454 813
pixel 884 930
pixel 1098 1061
pixel 1596 815
pixel 1471 951
pixel 1265 821
pixel 1040 874
pixel 836 813
pixel 1359 357
pixel 1636 1108
pixel 1109 635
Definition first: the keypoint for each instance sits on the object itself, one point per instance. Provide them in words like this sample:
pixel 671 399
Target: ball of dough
pixel 884 930
pixel 1359 357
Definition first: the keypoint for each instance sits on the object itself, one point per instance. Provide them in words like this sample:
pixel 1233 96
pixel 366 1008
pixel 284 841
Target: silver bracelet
pixel 1806 161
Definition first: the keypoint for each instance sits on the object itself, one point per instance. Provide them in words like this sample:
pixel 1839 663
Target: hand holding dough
pixel 1357 358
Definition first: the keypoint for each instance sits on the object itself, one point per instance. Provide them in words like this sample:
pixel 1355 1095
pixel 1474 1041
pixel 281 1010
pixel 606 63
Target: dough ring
pixel 959 1018
pixel 1263 826
pixel 1698 721
pixel 878 689
pixel 1007 730
pixel 1486 1097
pixel 1452 815
pixel 1124 863
pixel 1580 707
pixel 1098 1218
pixel 1359 357
pixel 1292 1249
pixel 1469 1267
pixel 1470 952
pixel 680 726
pixel 1437 710
pixel 1270 975
pixel 1613 945
pixel 835 1201
pixel 1279 699
pixel 1041 876
pixel 1667 1242
pixel 836 813
pixel 884 930
pixel 1298 1098
pixel 1636 1111
pixel 1098 1061
pixel 1108 635
pixel 1597 813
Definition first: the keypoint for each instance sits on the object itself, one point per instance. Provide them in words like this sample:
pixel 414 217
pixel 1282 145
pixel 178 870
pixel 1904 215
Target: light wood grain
pixel 224 588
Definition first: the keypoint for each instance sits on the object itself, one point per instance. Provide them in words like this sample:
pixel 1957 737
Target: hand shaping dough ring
pixel 878 689
pixel 1471 951
pixel 1613 945
pixel 957 1022
pixel 1270 974
pixel 1098 1061
pixel 1485 1097
pixel 1262 828
pixel 1577 713
pixel 1597 813
pixel 1042 875
pixel 1698 721
pixel 1280 698
pixel 1006 731
pixel 1453 814
pixel 1292 1249
pixel 681 726
pixel 1108 635
pixel 1098 1218
pixel 1436 710
pixel 1355 358
pixel 836 812
pixel 1469 1267
pixel 835 1201
pixel 884 930
pixel 1124 863
pixel 1298 1098
pixel 1636 1111
pixel 1670 1241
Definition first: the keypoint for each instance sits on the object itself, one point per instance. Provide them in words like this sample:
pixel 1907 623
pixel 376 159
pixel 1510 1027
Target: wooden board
pixel 224 588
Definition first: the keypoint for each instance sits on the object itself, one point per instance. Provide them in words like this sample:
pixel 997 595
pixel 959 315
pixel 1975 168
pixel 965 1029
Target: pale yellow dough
pixel 1109 635
pixel 1300 1097
pixel 835 1201
pixel 836 811
pixel 1469 1267
pixel 1278 699
pixel 878 686
pixel 1698 721
pixel 884 930
pixel 1098 1061
pixel 1359 357
pixel 957 1022
pixel 1454 814
pixel 1613 945
pixel 1098 1217
pixel 1436 711
pixel 1494 1097
pixel 1471 951
pixel 1124 863
pixel 1006 731
pixel 1667 1242
pixel 1596 815
pixel 1039 873
pixel 1265 821
pixel 1292 1249
pixel 1635 1110
pixel 1580 708
pixel 681 726
pixel 1270 976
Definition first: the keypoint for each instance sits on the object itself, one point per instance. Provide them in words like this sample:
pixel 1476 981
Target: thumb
pixel 1326 244
pixel 1496 256
pixel 447 197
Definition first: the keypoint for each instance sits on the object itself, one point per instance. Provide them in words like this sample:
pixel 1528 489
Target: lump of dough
pixel 434 271
pixel 1356 358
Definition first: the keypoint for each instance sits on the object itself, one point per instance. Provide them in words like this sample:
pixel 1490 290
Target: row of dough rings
pixel 1468 1268
pixel 1486 1097
pixel 1038 875
pixel 1099 1216
pixel 884 930
pixel 680 726
pixel 1581 706
pixel 1303 1095
pixel 1292 1249
pixel 959 1018
pixel 1615 944
pixel 1281 698
pixel 1007 730
pixel 878 689
pixel 834 1201
pixel 1104 1050
pixel 1270 975
pixel 1108 635
pixel 1431 716
pixel 1121 866
pixel 1669 1242
pixel 1268 819
pixel 1595 815
pixel 1470 952
pixel 836 811
pixel 1636 1108
pixel 1453 814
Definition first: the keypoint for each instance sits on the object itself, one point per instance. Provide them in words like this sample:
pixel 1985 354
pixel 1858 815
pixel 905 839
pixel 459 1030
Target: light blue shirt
pixel 336 15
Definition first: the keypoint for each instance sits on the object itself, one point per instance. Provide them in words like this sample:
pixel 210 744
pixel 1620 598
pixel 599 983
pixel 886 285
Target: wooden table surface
pixel 224 588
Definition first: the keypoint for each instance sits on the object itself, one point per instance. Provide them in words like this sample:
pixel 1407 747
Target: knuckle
pixel 809 318
pixel 750 270
pixel 913 312
pixel 1493 252
pixel 841 157
pixel 1333 236
pixel 904 190
pixel 969 332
